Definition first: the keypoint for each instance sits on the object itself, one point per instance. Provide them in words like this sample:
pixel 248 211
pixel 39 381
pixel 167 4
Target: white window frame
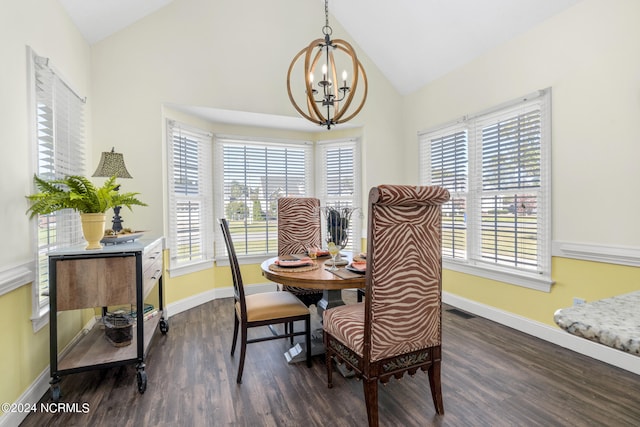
pixel 307 191
pixel 352 197
pixel 314 184
pixel 57 150
pixel 472 262
pixel 199 239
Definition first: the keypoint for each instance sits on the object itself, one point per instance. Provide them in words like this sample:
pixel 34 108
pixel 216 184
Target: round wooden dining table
pixel 318 278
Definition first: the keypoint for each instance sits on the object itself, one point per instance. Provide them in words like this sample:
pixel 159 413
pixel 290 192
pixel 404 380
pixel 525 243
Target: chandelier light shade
pixel 112 163
pixel 333 101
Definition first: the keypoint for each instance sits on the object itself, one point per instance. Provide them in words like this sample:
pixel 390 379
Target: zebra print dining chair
pixel 398 327
pixel 299 229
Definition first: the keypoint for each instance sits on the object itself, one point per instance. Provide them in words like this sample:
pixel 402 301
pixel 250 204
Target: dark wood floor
pixel 491 375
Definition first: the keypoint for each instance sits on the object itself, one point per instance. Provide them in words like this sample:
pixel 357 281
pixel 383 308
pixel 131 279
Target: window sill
pixel 41 320
pixel 530 281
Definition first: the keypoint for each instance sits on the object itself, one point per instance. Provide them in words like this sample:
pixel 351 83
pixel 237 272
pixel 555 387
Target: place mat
pixel 275 267
pixel 345 274
pixel 339 262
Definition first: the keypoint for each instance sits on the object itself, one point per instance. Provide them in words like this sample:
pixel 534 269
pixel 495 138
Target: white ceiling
pixel 411 41
pixel 416 41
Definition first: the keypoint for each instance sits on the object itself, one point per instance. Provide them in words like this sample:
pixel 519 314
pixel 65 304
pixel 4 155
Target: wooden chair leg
pixel 328 356
pixel 371 400
pixel 243 351
pixel 436 387
pixel 236 324
pixel 307 338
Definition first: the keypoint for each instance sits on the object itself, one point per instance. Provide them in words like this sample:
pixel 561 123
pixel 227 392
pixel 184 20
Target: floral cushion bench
pixel 614 322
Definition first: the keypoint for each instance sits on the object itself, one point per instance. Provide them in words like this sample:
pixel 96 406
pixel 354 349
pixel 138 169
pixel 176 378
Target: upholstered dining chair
pixel 262 309
pixel 398 327
pixel 299 229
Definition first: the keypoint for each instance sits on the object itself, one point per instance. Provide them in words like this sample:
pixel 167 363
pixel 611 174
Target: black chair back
pixel 238 286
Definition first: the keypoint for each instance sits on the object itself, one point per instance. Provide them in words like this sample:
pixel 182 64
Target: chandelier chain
pixel 326 30
pixel 326 12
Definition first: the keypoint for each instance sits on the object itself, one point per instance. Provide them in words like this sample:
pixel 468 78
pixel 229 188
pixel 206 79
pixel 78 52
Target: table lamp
pixel 112 164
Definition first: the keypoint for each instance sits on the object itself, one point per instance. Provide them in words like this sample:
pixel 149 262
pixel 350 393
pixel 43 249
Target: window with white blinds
pixel 190 198
pixel 496 166
pixel 339 179
pixel 58 121
pixel 511 185
pixel 447 156
pixel 251 175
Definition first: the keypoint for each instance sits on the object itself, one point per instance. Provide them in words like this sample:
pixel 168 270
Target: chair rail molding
pixel 13 277
pixel 611 254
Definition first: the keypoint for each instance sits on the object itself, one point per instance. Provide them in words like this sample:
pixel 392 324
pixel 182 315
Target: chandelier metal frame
pixel 333 98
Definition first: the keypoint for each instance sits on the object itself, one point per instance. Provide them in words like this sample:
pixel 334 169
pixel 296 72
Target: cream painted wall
pixel 588 55
pixel 43 25
pixel 199 53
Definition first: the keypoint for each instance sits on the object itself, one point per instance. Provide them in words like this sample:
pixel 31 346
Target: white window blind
pixel 251 176
pixel 190 196
pixel 339 179
pixel 497 167
pixel 511 185
pixel 59 152
pixel 446 155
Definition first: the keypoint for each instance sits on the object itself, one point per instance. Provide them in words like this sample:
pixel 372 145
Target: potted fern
pixel 78 193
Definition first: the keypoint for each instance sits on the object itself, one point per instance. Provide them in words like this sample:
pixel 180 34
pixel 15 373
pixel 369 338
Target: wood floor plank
pixel 491 376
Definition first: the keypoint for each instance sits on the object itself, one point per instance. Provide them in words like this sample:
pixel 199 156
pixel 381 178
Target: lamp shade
pixel 112 164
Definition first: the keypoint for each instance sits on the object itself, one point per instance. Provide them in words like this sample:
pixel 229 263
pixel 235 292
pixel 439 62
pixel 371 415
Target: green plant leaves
pixel 78 193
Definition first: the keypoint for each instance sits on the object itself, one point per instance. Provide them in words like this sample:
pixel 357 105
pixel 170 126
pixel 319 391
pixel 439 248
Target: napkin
pixel 359 265
pixel 294 262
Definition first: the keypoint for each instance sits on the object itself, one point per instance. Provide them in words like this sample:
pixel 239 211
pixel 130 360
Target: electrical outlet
pixel 578 301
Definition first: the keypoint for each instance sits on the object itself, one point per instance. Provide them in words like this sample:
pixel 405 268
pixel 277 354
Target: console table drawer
pixel 151 267
pixel 95 282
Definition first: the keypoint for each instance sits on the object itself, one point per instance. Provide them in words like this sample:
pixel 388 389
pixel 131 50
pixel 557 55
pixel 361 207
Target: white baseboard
pixel 548 333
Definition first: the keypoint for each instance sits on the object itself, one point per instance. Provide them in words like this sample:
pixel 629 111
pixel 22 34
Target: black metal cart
pixel 111 276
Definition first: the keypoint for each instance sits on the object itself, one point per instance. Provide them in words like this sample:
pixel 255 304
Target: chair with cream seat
pixel 398 328
pixel 262 309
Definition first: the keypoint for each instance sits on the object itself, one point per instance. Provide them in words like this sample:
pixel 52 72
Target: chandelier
pixel 331 103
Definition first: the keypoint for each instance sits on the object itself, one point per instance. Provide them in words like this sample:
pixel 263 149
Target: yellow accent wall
pixel 573 278
pixel 25 354
pixel 181 287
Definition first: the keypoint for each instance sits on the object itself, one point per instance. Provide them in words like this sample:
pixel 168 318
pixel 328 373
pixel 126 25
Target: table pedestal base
pixel 330 299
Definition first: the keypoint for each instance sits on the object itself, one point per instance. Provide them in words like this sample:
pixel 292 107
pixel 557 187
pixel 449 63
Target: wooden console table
pixel 121 274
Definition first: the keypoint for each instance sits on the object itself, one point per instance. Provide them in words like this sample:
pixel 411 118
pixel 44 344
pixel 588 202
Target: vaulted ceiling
pixel 429 37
